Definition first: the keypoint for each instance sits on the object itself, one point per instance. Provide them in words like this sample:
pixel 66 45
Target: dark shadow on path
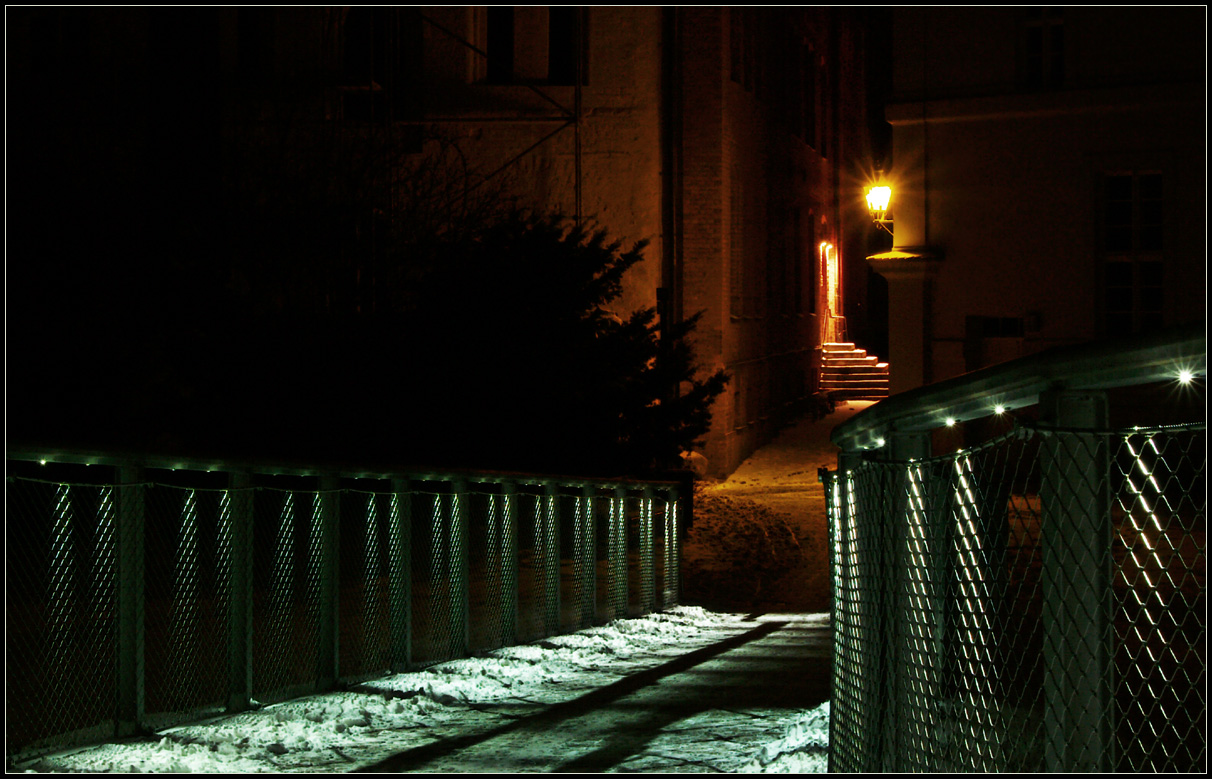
pixel 417 758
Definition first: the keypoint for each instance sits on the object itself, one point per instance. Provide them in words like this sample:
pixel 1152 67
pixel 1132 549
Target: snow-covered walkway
pixel 682 691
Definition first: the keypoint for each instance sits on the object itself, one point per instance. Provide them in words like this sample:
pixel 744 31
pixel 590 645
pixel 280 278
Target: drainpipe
pixel 669 295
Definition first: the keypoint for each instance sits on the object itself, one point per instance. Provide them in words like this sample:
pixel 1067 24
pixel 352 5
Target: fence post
pixel 400 556
pixel 1076 582
pixel 238 521
pixel 327 526
pixel 131 495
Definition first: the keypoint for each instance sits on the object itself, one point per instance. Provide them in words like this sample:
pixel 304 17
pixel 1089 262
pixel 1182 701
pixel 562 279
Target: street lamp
pixel 877 203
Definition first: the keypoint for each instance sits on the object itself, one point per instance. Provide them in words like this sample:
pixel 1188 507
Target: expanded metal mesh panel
pixel 440 577
pixel 616 556
pixel 669 534
pixel 186 611
pixel 1159 516
pixel 286 593
pixel 493 568
pixel 365 601
pixel 641 593
pixel 1035 602
pixel 538 564
pixel 60 611
pixel 578 559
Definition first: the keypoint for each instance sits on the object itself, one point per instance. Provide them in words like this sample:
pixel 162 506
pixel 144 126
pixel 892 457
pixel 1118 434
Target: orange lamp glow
pixel 878 198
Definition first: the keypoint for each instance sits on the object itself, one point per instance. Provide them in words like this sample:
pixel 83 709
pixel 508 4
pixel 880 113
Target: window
pixel 381 61
pixel 736 46
pixel 809 258
pixel 1132 243
pixel 808 95
pixel 254 43
pixel 534 45
pixel 1043 48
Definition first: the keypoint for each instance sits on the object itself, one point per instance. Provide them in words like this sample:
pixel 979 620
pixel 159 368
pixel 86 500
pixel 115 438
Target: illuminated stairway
pixel 848 373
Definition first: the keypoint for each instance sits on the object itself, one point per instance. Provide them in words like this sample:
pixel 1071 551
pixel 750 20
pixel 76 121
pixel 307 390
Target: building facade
pixel 725 138
pixel 1048 166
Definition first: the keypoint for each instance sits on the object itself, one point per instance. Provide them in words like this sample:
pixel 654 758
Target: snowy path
pixel 682 691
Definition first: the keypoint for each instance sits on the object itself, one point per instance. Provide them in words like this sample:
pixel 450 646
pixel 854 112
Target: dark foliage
pixel 518 363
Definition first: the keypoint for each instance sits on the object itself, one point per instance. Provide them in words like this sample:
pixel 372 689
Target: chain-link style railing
pixel 983 624
pixel 142 597
pixel 1034 602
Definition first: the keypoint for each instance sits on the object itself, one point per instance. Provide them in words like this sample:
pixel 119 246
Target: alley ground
pixel 760 540
pixel 741 687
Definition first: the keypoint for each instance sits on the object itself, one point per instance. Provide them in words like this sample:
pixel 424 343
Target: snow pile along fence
pixel 1036 600
pixel 143 593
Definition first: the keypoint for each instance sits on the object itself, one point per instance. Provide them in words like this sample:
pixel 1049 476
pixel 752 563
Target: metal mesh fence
pixel 186 607
pixel 60 611
pixel 138 599
pixel 1035 603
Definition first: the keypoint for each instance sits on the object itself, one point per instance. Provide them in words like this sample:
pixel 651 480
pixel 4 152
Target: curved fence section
pixel 140 596
pixel 1035 601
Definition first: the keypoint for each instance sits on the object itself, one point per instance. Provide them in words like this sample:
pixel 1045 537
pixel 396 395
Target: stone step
pixel 857 394
pixel 847 361
pixel 854 365
pixel 864 376
pixel 849 354
pixel 850 373
pixel 873 385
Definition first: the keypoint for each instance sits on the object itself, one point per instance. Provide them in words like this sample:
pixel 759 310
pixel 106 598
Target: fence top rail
pixel 286 468
pixel 1018 383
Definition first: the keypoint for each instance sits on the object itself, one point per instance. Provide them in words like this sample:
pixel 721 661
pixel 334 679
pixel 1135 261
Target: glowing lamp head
pixel 877 200
pixel 950 421
pixel 999 409
pixel 1186 376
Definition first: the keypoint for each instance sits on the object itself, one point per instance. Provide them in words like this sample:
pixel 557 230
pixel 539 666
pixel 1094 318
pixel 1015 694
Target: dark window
pixel 1133 211
pixel 500 44
pixel 809 63
pixel 564 47
pixel 812 262
pixel 736 32
pixel 749 55
pixel 1132 238
pixel 1043 45
pixel 543 45
pixel 381 65
pixel 254 44
pixel 823 138
pixel 797 259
